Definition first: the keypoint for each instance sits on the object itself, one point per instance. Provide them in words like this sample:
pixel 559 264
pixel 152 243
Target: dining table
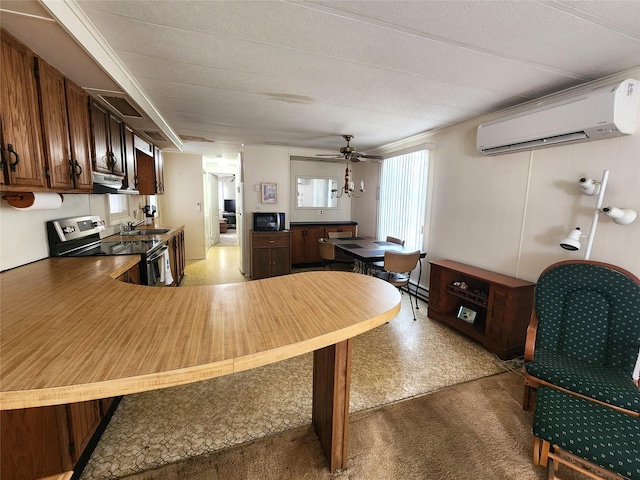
pixel 367 250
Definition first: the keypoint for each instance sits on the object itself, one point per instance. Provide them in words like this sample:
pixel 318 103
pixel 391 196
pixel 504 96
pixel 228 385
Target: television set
pixel 230 206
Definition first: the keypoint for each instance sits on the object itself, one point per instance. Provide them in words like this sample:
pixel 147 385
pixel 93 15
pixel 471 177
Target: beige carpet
pixel 399 360
pixel 474 430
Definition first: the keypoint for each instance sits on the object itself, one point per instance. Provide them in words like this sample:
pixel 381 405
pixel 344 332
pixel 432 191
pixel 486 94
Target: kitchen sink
pixel 153 231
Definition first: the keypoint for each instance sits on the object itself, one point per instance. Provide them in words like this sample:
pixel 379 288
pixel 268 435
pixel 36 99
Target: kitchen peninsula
pixel 90 337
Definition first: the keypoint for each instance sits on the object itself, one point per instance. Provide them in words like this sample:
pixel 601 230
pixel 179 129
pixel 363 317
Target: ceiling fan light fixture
pixel 350 153
pixel 349 187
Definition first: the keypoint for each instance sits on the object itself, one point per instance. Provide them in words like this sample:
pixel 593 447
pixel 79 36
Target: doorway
pixel 225 216
pixel 223 204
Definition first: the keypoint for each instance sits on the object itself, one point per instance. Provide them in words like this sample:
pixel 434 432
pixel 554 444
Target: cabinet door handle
pixel 12 166
pixel 78 169
pixel 112 162
pixel 272 241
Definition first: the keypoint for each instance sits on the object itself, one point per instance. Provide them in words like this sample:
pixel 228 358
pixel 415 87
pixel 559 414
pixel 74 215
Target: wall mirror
pixel 314 192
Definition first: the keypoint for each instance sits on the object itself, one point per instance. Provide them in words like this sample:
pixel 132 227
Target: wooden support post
pixel 330 417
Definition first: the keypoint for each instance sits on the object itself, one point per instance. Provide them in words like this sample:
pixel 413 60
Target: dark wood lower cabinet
pixel 270 254
pixel 26 436
pixel 305 236
pixel 131 276
pixel 500 305
pixel 177 256
pixel 83 419
pixel 43 441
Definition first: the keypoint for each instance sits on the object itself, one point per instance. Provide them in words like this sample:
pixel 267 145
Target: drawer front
pixel 275 239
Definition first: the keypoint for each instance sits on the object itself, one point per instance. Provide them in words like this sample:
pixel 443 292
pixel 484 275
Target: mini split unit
pixel 603 112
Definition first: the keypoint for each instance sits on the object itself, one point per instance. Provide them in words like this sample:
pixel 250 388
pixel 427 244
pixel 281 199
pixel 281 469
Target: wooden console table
pixel 502 305
pixel 64 339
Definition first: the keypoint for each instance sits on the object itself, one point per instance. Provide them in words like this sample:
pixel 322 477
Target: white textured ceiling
pixel 304 73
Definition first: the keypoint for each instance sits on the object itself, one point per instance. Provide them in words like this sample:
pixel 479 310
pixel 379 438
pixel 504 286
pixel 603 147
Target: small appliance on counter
pixel 268 221
pixel 149 212
pixel 80 237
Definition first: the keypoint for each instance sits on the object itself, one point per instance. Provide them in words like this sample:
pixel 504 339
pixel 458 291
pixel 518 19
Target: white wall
pixel 507 213
pixel 23 233
pixel 228 185
pixel 263 164
pixel 184 190
pixel 364 210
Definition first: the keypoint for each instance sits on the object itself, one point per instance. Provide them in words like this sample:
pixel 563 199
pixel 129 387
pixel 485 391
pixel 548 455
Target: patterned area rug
pixel 399 360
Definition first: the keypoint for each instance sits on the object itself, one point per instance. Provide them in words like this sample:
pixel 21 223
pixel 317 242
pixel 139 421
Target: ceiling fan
pixel 349 153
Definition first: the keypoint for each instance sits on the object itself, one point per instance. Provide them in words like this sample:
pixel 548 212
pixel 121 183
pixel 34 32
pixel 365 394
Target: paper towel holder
pixel 23 199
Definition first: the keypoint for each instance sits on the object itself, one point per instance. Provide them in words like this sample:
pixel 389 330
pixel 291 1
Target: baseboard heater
pixel 423 293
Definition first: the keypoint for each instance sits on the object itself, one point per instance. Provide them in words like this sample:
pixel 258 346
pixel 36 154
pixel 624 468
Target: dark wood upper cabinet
pixel 79 134
pixel 22 159
pixel 159 164
pixel 108 138
pixel 52 136
pixel 150 168
pixel 65 123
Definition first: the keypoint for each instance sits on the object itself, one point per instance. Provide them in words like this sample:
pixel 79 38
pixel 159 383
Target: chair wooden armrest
pixel 530 342
pixel 529 347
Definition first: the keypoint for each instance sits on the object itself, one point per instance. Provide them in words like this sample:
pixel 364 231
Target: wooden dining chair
pixel 375 267
pixel 397 271
pixel 340 234
pixel 342 257
pixel 329 255
pixel 395 240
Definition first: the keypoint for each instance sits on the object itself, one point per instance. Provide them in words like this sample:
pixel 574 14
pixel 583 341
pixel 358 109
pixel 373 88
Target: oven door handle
pixel 156 255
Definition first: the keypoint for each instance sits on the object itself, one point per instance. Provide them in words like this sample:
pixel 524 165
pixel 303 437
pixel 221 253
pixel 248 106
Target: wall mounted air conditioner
pixel 603 112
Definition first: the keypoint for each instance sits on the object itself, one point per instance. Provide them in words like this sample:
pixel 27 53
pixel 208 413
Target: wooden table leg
pixel 330 417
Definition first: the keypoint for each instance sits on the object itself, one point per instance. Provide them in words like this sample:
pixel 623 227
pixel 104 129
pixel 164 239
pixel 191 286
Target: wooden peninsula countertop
pixel 70 332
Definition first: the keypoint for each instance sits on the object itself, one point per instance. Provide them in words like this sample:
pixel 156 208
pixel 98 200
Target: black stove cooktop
pixel 80 237
pixel 138 247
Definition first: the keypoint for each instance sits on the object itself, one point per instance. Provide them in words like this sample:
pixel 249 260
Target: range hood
pixel 110 184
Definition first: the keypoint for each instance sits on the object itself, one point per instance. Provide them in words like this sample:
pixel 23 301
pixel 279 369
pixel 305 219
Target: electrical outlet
pixel 320 212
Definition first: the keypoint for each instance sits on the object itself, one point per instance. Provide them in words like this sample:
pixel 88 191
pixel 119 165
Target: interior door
pixel 212 210
pixel 240 224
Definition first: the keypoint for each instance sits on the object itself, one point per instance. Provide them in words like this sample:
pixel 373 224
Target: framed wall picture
pixel 269 193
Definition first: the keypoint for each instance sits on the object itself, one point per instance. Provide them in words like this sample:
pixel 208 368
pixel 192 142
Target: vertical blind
pixel 403 198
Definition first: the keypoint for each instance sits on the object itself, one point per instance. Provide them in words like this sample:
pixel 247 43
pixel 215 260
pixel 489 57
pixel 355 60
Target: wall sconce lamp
pixel 622 216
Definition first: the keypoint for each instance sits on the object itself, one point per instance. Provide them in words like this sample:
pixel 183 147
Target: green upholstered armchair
pixel 584 335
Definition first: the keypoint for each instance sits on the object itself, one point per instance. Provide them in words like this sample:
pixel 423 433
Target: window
pixel 403 198
pixel 118 208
